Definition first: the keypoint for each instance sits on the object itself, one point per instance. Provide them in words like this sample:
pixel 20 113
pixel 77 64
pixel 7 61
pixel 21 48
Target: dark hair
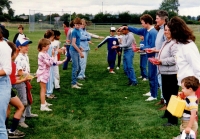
pixel 13 47
pixel 43 43
pixel 66 23
pixel 71 24
pixel 147 19
pixel 180 31
pixel 163 15
pixel 48 34
pixel 20 26
pixel 191 82
pixel 56 33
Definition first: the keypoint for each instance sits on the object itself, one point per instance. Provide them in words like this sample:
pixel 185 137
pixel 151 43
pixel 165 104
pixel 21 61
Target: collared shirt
pixel 160 38
pixel 22 63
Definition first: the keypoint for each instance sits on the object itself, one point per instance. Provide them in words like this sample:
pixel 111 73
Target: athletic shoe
pixel 178 137
pixel 32 115
pixel 147 94
pixel 16 134
pixel 45 108
pixel 79 84
pixel 108 68
pixel 117 68
pixel 76 86
pixel 81 78
pixel 150 99
pixel 140 77
pixel 48 104
pixel 144 79
pixel 112 72
pixel 24 125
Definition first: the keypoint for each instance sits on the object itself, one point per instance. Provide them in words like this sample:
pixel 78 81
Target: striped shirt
pixel 191 105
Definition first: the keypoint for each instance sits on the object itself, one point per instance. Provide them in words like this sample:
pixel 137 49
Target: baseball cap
pixel 23 42
pixel 112 29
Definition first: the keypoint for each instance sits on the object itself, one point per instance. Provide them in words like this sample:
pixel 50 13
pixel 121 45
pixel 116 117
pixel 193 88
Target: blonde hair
pixel 43 43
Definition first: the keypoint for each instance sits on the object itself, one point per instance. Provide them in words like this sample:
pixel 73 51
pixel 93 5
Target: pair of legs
pixel 5 90
pixel 83 63
pixel 15 101
pixel 75 65
pixel 65 64
pixel 153 80
pixel 128 66
pixel 119 56
pixel 50 85
pixel 111 58
pixel 143 65
pixel 169 87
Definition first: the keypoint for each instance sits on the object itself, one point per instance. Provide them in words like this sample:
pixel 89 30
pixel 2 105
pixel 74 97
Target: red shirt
pixel 66 30
pixel 12 75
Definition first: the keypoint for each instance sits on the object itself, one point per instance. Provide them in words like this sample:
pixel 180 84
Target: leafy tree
pixel 124 17
pixel 4 4
pixel 198 18
pixel 170 5
pixel 65 17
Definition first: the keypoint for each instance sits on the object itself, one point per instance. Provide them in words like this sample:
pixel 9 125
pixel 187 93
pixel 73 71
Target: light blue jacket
pixel 85 37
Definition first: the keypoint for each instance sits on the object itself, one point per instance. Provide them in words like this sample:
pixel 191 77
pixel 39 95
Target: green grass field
pixel 105 108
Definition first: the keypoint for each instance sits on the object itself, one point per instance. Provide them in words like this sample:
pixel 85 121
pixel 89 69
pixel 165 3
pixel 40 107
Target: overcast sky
pixel 187 7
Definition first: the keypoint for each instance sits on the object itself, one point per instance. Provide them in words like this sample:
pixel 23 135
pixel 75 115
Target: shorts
pixel 185 123
pixel 13 92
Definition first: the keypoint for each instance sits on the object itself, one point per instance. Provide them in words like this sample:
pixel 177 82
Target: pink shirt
pixel 44 64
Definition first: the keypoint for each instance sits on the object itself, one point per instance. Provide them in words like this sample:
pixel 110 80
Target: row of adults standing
pixel 176 52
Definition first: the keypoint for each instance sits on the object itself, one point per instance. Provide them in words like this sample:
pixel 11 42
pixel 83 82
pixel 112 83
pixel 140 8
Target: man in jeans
pixel 127 41
pixel 149 33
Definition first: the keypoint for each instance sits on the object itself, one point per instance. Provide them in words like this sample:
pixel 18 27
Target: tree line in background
pixel 124 17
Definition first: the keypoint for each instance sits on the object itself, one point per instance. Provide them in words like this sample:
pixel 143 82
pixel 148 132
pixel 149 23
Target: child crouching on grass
pixel 43 71
pixel 188 122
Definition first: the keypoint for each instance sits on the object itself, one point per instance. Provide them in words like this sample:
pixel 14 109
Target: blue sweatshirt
pixel 149 37
pixel 111 41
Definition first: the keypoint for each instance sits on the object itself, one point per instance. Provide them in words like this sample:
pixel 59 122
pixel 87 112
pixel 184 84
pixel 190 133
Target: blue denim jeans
pixel 153 79
pixel 143 65
pixel 128 65
pixel 160 85
pixel 75 65
pixel 5 94
pixel 65 64
pixel 83 62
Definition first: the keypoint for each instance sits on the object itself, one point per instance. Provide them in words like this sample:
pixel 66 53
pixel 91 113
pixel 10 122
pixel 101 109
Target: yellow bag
pixel 176 106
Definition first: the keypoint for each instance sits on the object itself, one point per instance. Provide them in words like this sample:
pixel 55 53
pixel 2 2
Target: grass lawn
pixel 105 108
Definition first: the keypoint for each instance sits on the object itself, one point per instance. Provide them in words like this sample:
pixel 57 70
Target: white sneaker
pixel 144 79
pixel 112 72
pixel 178 137
pixel 79 84
pixel 150 99
pixel 45 108
pixel 108 68
pixel 24 125
pixel 76 86
pixel 117 68
pixel 140 77
pixel 147 94
pixel 48 104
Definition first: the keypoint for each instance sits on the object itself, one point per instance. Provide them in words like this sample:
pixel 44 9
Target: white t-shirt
pixel 22 63
pixel 5 57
